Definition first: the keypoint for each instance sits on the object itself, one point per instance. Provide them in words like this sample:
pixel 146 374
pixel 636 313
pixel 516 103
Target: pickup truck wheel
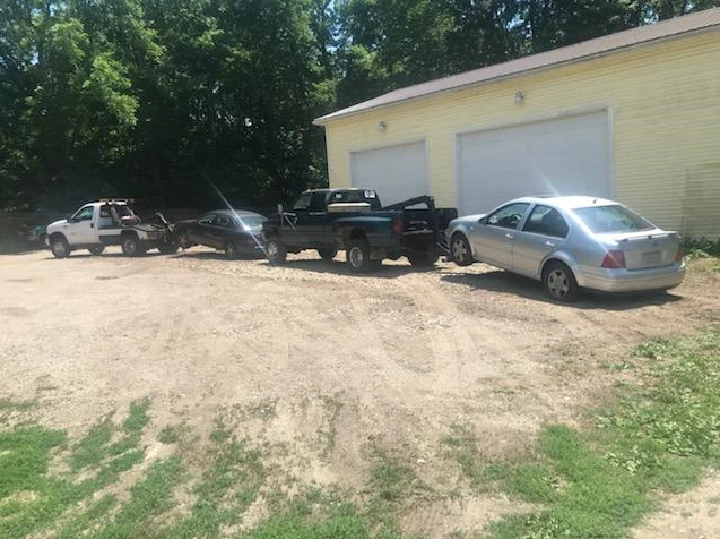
pixel 422 259
pixel 95 251
pixel 59 247
pixel 132 246
pixel 358 257
pixel 460 250
pixel 276 251
pixel 327 254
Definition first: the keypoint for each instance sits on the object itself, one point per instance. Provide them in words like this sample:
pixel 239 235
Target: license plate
pixel 651 258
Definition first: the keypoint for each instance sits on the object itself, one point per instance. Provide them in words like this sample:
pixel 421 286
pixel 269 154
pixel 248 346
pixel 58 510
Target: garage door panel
pixel 396 172
pixel 568 156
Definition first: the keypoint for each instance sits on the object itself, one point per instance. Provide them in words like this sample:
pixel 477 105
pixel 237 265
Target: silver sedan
pixel 569 243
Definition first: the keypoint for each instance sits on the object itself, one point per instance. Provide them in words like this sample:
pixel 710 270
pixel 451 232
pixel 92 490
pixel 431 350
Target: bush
pixel 701 247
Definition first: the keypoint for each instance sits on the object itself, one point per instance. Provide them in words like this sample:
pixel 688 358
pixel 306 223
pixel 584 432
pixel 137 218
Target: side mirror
pixel 482 221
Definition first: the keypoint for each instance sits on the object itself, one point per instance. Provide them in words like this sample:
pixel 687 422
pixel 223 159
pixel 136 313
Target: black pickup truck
pixel 354 220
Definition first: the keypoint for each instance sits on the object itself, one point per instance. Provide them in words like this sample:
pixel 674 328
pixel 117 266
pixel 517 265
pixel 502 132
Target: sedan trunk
pixel 647 249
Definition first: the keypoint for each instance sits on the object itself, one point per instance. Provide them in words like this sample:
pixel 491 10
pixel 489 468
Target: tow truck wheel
pixel 327 254
pixel 358 257
pixel 59 247
pixel 276 251
pixel 95 251
pixel 132 246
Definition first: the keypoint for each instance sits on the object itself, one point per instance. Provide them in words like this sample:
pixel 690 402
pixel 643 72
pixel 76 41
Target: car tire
pixel 327 254
pixel 559 282
pixel 132 246
pixel 460 252
pixel 60 247
pixel 96 251
pixel 276 251
pixel 422 259
pixel 184 241
pixel 359 259
pixel 231 250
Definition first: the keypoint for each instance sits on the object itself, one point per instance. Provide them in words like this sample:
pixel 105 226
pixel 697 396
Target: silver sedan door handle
pixel 509 236
pixel 549 244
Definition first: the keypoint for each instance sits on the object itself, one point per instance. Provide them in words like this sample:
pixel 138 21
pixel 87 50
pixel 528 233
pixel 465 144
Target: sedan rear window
pixel 613 218
pixel 252 221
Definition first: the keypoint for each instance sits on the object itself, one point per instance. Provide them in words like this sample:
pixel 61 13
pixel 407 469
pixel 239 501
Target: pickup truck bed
pixel 353 220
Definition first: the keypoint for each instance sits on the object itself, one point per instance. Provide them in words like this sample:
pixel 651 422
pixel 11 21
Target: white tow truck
pixel 109 221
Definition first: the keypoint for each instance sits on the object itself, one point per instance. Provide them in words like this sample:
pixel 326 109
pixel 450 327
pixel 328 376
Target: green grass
pixel 150 497
pixel 344 522
pixel 85 520
pixel 137 418
pixel 171 434
pixel 229 485
pixel 595 483
pixel 599 483
pixel 34 497
pixel 91 450
pixel 329 433
pixel 7 404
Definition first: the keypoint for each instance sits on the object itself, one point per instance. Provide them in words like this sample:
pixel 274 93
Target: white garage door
pixel 395 172
pixel 566 156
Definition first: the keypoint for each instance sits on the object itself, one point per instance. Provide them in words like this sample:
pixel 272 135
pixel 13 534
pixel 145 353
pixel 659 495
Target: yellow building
pixel 633 116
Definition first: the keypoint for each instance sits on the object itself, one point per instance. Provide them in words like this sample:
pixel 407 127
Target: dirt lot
pixel 331 366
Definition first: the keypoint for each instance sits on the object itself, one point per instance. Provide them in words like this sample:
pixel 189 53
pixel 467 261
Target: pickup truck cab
pixel 107 222
pixel 354 220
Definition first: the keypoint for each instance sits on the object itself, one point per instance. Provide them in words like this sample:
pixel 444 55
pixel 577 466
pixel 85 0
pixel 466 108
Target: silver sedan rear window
pixel 612 218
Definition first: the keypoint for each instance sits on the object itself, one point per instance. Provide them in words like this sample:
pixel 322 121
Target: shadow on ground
pixel 501 281
pixel 339 267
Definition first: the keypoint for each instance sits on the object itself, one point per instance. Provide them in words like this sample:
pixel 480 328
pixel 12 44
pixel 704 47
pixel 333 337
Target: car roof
pixel 568 202
pixel 239 213
pixel 329 190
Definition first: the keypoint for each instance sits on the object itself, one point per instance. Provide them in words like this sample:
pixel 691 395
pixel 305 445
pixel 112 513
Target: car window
pixel 303 203
pixel 508 216
pixel 354 196
pixel 612 218
pixel 317 202
pixel 252 221
pixel 206 219
pixel 222 220
pixel 84 214
pixel 547 221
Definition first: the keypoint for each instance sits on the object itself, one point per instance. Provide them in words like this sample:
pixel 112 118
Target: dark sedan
pixel 235 232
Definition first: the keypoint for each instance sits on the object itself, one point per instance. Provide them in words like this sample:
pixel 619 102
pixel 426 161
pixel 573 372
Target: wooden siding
pixel 664 101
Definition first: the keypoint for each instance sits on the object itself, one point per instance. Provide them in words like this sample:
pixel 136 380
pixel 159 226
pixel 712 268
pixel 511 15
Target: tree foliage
pixel 158 98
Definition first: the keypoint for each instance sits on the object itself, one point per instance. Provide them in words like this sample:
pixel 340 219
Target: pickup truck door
pixel 315 225
pixel 81 229
pixel 295 225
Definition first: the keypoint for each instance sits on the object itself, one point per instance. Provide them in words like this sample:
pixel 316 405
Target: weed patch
pixel 33 498
pixel 600 483
pixel 228 487
pixel 7 404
